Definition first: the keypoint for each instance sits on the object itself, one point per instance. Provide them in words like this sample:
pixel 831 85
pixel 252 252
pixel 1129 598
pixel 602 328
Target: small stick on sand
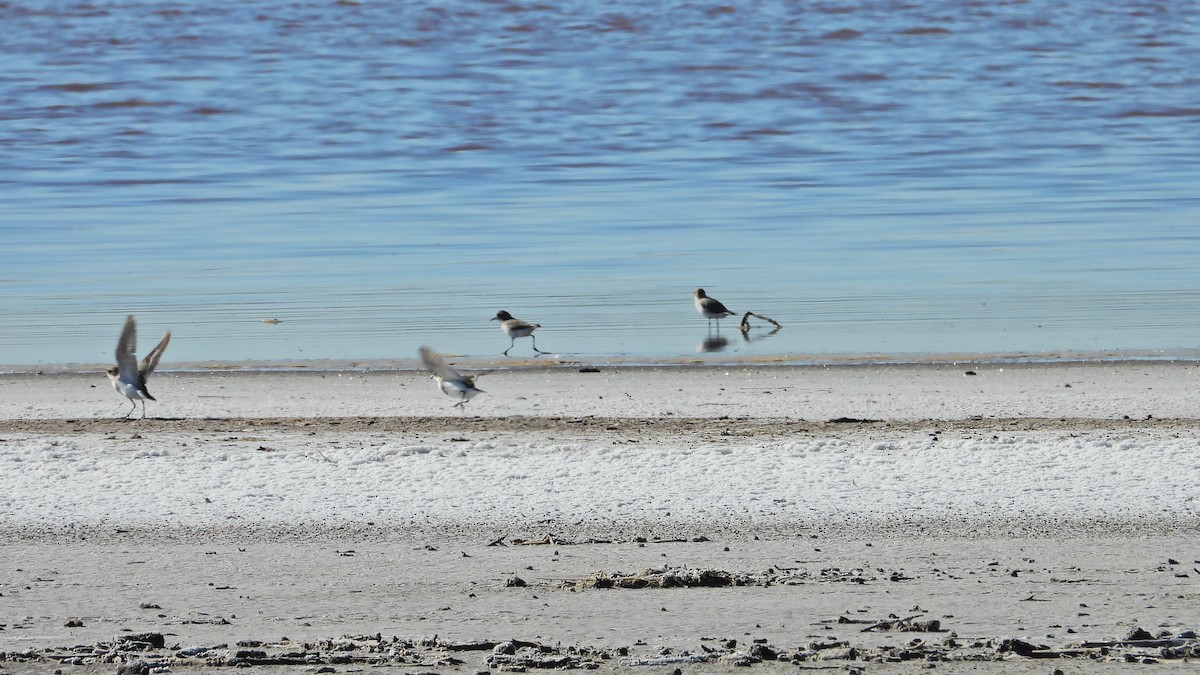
pixel 891 624
pixel 549 539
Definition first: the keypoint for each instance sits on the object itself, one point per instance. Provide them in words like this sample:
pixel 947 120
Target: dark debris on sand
pixel 721 427
pixel 682 577
pixel 147 653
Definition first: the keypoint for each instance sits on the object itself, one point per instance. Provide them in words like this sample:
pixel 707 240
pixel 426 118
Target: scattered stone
pixel 763 652
pixel 154 640
pixel 516 655
pixel 1018 647
pixel 679 577
pixel 1138 634
pixel 358 652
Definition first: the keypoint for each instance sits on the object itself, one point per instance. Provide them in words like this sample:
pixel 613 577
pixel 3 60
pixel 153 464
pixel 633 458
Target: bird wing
pixel 127 366
pixel 434 364
pixel 151 361
pixel 518 324
pixel 715 306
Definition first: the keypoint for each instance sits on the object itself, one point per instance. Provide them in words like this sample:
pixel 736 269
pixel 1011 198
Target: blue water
pixel 890 178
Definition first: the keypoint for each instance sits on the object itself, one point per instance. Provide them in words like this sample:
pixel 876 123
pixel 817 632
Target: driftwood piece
pixel 469 646
pixel 744 326
pixel 907 625
pixel 1141 644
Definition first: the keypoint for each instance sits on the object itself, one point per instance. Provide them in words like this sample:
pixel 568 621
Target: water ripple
pixel 881 178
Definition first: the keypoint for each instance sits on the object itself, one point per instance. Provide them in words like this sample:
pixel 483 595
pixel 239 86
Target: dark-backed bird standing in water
pixel 515 328
pixel 710 308
pixel 450 381
pixel 128 377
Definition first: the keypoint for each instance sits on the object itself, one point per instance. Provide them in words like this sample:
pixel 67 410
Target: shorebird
pixel 128 377
pixel 450 381
pixel 515 328
pixel 710 308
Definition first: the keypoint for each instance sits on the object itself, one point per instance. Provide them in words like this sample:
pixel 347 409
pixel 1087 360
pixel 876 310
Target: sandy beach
pixel 873 518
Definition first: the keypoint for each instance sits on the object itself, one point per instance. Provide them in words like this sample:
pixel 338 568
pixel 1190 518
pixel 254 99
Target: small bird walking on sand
pixel 515 328
pixel 128 377
pixel 710 308
pixel 450 381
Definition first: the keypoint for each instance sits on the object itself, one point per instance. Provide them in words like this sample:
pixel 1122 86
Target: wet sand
pixel 946 391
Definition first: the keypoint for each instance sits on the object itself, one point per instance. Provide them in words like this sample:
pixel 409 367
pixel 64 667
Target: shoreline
pixel 551 360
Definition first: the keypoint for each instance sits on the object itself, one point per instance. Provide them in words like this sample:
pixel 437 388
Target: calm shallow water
pixel 880 177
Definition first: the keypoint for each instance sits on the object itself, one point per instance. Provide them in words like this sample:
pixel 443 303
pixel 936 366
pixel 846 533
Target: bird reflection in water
pixel 717 343
pixel 713 343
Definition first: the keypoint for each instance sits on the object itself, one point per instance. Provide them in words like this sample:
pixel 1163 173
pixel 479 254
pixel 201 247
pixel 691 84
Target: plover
pixel 450 381
pixel 128 377
pixel 710 308
pixel 515 328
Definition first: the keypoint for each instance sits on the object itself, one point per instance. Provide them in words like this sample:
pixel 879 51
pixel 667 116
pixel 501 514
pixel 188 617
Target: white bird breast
pixel 127 389
pixel 456 388
pixel 517 331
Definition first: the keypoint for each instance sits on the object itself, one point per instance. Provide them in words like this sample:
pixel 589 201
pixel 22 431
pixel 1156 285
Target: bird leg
pixel 534 338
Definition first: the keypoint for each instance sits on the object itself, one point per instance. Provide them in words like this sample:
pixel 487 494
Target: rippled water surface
pixel 879 177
